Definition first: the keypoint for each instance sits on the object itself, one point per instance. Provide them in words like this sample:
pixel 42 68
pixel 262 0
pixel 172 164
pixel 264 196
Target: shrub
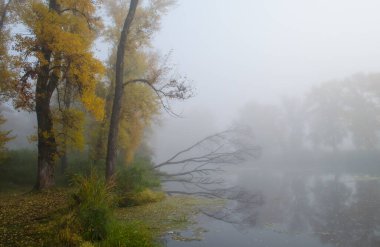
pixel 93 204
pixel 136 181
pixel 92 218
pixel 137 176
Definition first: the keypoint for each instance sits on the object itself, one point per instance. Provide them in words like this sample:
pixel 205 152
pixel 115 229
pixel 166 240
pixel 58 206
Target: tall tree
pixel 57 48
pixel 139 104
pixel 362 110
pixel 325 115
pixel 345 111
pixel 5 9
pixel 154 77
pixel 119 88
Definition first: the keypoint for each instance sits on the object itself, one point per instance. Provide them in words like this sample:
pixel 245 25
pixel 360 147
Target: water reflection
pixel 344 216
pixel 340 210
pixel 324 210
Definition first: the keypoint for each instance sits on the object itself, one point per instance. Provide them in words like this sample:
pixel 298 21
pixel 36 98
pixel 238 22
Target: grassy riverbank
pixel 35 219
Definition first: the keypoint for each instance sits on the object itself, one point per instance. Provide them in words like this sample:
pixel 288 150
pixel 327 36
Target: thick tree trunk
pixel 47 147
pixel 116 107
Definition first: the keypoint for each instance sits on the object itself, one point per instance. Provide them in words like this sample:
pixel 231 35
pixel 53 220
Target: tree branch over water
pixel 209 156
pixel 198 170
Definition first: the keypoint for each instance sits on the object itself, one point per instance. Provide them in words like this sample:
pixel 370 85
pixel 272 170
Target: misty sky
pixel 244 50
pixel 249 50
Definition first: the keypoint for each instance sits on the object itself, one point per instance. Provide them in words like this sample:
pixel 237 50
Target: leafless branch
pixel 88 19
pixel 173 89
pixel 196 170
pixel 225 149
pixel 165 84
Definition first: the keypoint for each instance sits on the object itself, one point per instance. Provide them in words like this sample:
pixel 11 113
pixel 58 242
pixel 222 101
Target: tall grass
pixel 91 218
pixel 93 203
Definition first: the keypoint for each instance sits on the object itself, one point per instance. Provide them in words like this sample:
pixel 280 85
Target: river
pixel 297 208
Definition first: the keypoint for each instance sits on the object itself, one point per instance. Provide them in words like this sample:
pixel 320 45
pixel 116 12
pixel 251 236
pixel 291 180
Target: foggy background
pixel 304 75
pixel 242 51
pixel 239 52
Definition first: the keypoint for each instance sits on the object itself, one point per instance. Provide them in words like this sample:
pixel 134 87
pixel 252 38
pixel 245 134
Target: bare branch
pixel 88 19
pixel 173 89
pixel 196 169
pixel 235 155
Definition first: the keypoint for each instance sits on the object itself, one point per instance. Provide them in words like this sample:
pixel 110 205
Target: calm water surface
pixel 298 209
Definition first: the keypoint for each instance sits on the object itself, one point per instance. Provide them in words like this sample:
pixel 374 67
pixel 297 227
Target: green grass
pixel 86 213
pixel 40 219
pixel 129 234
pixel 92 206
pixel 172 213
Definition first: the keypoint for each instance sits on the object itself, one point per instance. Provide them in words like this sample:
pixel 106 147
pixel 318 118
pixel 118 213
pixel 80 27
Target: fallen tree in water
pixel 198 170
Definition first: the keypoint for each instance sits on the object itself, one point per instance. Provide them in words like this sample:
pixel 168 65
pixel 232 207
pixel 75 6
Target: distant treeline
pixel 335 115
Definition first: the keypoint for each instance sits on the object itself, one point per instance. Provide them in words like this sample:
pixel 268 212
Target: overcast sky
pixel 250 50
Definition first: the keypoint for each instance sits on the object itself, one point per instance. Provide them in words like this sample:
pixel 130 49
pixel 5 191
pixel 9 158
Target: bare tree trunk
pixel 117 101
pixel 47 147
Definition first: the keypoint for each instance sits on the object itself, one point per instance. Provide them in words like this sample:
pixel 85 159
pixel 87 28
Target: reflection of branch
pixel 195 169
pixel 222 149
pixel 239 207
pixel 242 211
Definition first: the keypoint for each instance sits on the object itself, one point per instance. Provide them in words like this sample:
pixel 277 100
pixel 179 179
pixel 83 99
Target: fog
pixel 239 52
pixel 303 76
pixel 302 79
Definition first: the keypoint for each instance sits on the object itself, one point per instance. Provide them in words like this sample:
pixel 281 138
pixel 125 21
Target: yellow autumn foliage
pixel 139 107
pixel 69 128
pixel 69 36
pixel 140 103
pixel 4 138
pixel 67 33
